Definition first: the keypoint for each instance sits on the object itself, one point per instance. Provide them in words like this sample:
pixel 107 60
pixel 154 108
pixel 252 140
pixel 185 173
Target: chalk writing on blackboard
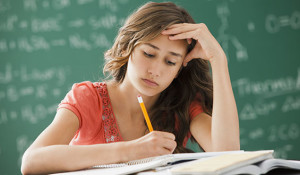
pixel 283 132
pixel 24 74
pixel 280 134
pixel 251 111
pixel 268 88
pixel 226 39
pixel 283 151
pixel 291 103
pixel 37 85
pixel 275 23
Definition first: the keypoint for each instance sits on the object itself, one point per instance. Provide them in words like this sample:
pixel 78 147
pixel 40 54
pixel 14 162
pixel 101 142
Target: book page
pixel 271 164
pixel 222 163
pixel 248 169
pixel 190 156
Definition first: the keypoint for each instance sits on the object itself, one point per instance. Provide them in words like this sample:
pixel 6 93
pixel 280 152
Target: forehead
pixel 166 45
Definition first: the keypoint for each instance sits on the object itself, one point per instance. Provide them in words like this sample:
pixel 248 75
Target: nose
pixel 155 69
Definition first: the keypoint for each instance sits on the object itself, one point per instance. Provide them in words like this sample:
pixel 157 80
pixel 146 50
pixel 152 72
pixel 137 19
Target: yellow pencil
pixel 140 99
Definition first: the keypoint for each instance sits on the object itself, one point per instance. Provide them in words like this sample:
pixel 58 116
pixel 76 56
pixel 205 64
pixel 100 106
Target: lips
pixel 150 82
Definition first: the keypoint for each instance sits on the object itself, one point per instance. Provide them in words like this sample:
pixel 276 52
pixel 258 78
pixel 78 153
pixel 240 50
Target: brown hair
pixel 193 81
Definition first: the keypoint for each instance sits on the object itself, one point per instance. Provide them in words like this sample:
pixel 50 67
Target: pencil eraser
pixel 140 99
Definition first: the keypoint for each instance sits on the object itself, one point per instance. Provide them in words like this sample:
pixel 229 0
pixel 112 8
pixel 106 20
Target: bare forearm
pixel 225 124
pixel 58 158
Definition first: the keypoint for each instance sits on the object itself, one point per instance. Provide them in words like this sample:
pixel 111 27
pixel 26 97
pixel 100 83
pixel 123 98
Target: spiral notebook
pixel 147 163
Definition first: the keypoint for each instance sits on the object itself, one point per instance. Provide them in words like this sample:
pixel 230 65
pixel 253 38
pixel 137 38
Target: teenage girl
pixel 163 55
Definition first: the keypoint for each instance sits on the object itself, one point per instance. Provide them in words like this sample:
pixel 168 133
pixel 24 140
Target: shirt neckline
pixel 111 129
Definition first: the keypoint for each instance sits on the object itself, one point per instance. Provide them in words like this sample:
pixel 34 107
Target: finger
pixel 176 30
pixel 166 135
pixel 162 134
pixel 176 25
pixel 179 29
pixel 185 35
pixel 186 61
pixel 190 56
pixel 189 40
pixel 171 145
pixel 166 145
pixel 180 24
pixel 163 151
pixel 194 54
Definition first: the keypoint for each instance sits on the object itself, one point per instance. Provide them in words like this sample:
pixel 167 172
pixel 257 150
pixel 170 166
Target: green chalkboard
pixel 47 45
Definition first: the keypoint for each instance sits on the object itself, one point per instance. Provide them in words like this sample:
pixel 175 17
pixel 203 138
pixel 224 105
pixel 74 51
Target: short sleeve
pixel 195 109
pixel 83 101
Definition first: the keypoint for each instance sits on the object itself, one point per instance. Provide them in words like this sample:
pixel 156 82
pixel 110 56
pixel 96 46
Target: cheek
pixel 171 74
pixel 139 62
pixel 174 70
pixel 136 65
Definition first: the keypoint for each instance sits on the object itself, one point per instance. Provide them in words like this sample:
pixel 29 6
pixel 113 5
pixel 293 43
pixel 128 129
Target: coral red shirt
pixel 90 102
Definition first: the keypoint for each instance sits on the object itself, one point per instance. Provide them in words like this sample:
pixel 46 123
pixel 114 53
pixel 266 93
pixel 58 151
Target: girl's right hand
pixel 155 143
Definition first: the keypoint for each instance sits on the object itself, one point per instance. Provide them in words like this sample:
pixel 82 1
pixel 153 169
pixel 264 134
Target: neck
pixel 125 96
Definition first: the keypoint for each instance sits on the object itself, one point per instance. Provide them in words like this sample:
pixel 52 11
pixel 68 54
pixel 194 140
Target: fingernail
pixel 171 37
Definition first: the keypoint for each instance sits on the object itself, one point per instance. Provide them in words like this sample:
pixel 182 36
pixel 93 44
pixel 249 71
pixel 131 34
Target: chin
pixel 150 92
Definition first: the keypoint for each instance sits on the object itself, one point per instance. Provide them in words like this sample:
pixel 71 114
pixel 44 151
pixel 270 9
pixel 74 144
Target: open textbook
pixel 266 166
pixel 254 162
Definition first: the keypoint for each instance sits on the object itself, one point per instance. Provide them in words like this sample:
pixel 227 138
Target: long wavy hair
pixel 171 111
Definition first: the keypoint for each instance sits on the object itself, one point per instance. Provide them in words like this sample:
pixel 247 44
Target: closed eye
pixel 171 63
pixel 148 55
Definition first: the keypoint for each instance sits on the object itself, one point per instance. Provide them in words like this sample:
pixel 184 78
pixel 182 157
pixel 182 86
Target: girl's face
pixel 153 65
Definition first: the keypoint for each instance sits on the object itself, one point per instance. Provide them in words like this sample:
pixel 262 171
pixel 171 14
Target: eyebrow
pixel 157 48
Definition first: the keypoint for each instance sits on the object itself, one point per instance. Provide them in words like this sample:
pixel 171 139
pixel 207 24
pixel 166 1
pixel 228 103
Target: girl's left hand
pixel 207 47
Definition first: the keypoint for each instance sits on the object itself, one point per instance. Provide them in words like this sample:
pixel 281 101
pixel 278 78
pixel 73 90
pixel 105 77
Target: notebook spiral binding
pixel 164 160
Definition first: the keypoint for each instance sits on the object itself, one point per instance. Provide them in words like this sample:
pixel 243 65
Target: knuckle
pixel 173 136
pixel 202 25
pixel 154 140
pixel 174 144
pixel 154 133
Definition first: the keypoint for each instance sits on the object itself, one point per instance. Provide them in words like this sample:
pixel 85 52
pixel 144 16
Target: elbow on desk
pixel 27 164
